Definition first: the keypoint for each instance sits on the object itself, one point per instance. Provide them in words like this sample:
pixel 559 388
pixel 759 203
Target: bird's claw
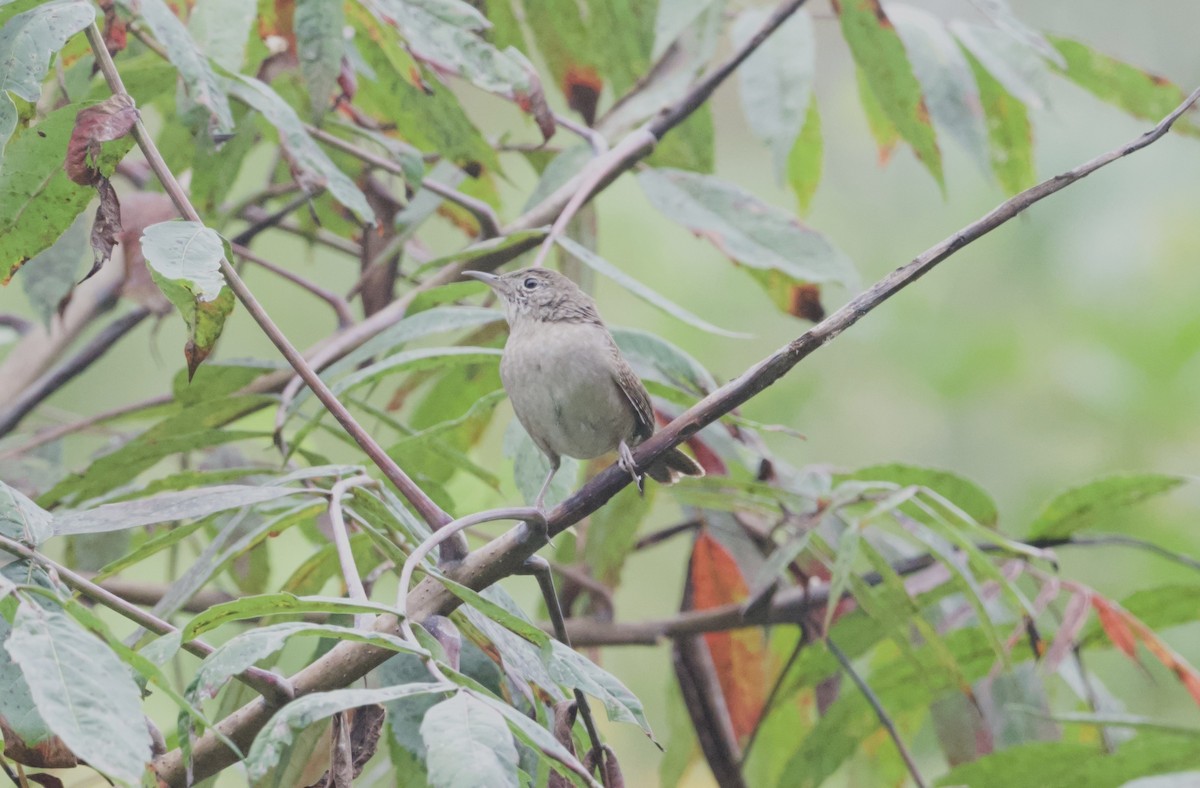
pixel 626 463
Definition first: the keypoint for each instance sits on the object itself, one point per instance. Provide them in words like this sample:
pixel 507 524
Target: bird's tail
pixel 669 467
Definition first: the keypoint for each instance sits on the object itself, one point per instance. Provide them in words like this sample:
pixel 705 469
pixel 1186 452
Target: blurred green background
pixel 1061 347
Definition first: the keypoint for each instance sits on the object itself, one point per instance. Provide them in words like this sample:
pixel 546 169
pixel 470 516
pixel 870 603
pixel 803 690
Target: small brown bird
pixel 571 388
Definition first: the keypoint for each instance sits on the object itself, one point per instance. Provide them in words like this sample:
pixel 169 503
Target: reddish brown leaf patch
pixel 106 227
pixel 804 302
pixel 109 120
pixel 582 86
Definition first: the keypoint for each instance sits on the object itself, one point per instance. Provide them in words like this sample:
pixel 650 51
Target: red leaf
pixel 1183 670
pixel 1115 626
pixel 109 120
pixel 115 37
pixel 740 657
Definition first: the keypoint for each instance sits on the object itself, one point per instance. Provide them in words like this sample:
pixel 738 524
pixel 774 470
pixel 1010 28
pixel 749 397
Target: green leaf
pixel 575 671
pixel 299 714
pixel 38 202
pixel 16 703
pixel 1011 62
pixel 880 55
pixel 530 467
pixel 184 259
pixel 804 159
pixel 945 76
pixel 167 507
pixel 468 744
pixel 199 80
pixel 749 231
pixel 612 533
pixel 537 737
pixel 1083 507
pixel 602 266
pixel 1140 93
pixel 776 80
pixel 443 33
pixel 673 18
pixel 843 565
pixel 22 519
pixel 276 604
pixel 53 272
pixel 960 491
pixel 1002 16
pixel 414 360
pixel 314 170
pixel 82 690
pixel 27 42
pixel 320 48
pixel 221 28
pixel 656 359
pixel 1010 135
pixel 1070 764
pixel 240 652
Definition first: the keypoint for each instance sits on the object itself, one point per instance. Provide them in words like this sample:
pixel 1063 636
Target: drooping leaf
pixel 956 489
pixel 654 358
pixel 776 81
pixel 1013 64
pixel 468 743
pixel 1082 507
pixel 313 168
pixel 945 76
pixel 602 266
pixel 185 261
pixel 782 254
pixel 612 533
pixel 443 34
pixel 109 120
pixel 82 690
pixel 166 507
pixel 221 28
pixel 38 202
pixel 282 603
pixel 17 709
pixel 880 54
pixel 740 657
pixel 1142 94
pixel 274 739
pixel 320 48
pixel 1010 135
pixel 805 158
pixel 200 81
pixel 27 42
pixel 1002 16
pixel 575 671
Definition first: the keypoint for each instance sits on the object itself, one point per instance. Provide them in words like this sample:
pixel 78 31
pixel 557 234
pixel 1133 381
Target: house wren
pixel 571 388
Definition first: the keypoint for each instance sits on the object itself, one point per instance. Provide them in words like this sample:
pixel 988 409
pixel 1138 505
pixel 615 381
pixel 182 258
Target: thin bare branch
pixel 340 307
pixel 51 434
pixel 59 376
pixel 880 712
pixel 425 506
pixel 341 540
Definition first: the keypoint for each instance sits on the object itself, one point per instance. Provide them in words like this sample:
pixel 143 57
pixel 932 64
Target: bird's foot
pixel 626 464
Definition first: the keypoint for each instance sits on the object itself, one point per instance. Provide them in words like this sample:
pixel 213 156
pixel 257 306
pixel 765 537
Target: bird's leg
pixel 539 502
pixel 626 463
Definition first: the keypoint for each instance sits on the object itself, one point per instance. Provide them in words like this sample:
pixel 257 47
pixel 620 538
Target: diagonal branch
pixel 505 554
pixel 425 506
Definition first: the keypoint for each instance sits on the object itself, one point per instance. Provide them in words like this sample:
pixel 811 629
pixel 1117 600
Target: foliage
pixel 387 132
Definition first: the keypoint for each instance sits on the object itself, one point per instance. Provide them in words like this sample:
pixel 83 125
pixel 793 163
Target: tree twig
pixel 54 379
pixel 880 712
pixel 425 506
pixel 342 309
pixel 51 434
pixel 341 540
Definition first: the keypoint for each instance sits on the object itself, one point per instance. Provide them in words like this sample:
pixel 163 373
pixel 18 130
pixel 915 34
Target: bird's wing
pixel 631 386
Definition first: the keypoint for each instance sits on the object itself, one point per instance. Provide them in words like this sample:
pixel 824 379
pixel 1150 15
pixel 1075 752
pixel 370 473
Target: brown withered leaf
pixel 582 86
pixel 50 754
pixel 106 227
pixel 564 720
pixel 109 120
pixel 115 36
pixel 353 748
pixel 805 303
pixel 610 769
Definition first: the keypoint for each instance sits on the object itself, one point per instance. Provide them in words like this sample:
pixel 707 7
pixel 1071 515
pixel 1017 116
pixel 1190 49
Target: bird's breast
pixel 559 378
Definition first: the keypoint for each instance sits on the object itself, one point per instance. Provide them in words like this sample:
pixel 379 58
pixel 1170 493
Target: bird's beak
pixel 491 280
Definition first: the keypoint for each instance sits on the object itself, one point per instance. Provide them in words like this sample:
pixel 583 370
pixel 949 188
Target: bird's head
pixel 539 294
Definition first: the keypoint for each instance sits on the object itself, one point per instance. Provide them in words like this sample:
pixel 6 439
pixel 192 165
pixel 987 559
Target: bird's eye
pixel 530 283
